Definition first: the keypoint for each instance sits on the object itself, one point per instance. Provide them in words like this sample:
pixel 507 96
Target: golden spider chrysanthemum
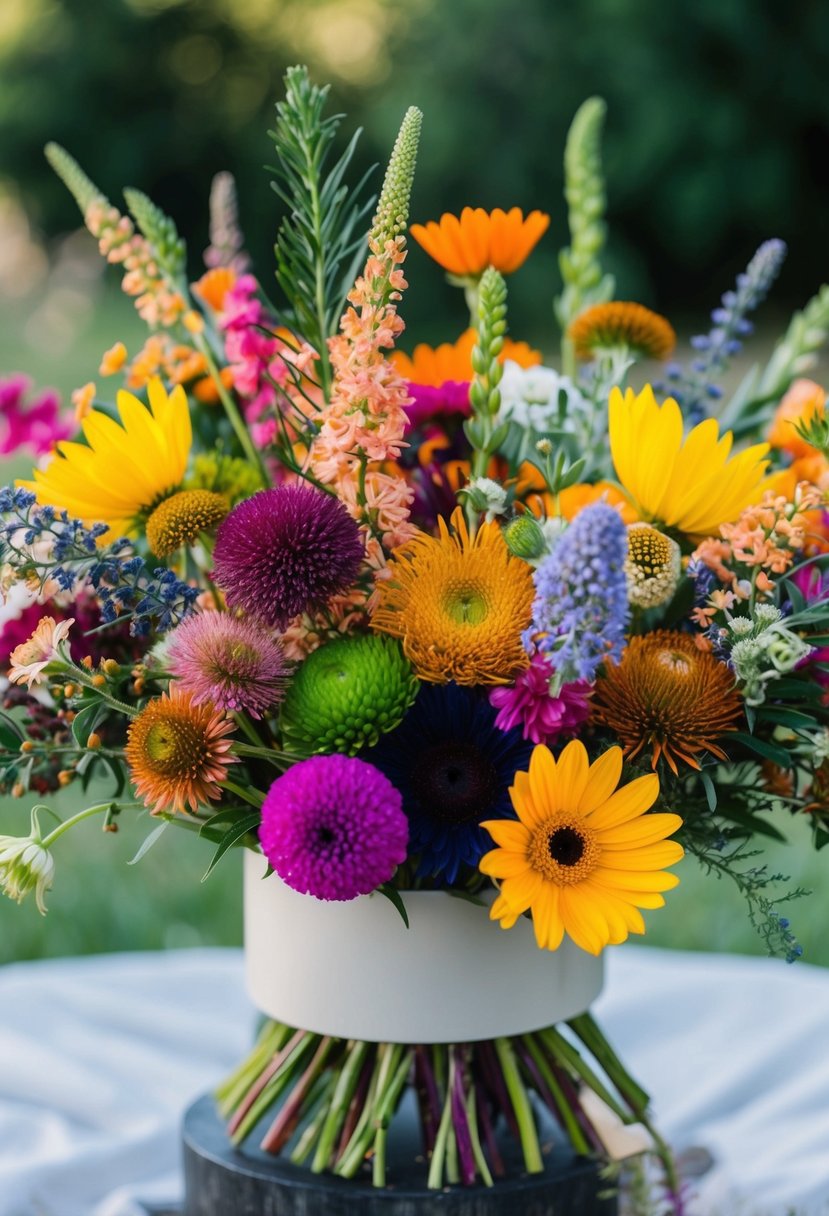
pixel 688 484
pixel 466 245
pixel 459 604
pixel 126 470
pixel 622 324
pixel 435 365
pixel 584 856
pixel 178 752
pixel 669 697
pixel 180 519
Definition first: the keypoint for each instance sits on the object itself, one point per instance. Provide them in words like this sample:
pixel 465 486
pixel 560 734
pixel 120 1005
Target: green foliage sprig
pixel 484 394
pixel 392 215
pixel 83 189
pixel 320 241
pixel 584 189
pixel 161 233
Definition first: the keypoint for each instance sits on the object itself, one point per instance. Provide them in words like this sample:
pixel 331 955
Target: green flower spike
pixel 392 215
pixel 346 695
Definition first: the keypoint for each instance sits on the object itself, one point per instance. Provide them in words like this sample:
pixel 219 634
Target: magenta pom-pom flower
pixel 542 717
pixel 234 663
pixel 333 827
pixel 286 551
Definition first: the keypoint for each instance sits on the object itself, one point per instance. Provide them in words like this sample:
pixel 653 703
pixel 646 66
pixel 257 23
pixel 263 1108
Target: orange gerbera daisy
pixel 621 323
pixel 669 696
pixel 178 752
pixel 465 246
pixel 435 365
pixel 584 856
pixel 214 285
pixel 459 604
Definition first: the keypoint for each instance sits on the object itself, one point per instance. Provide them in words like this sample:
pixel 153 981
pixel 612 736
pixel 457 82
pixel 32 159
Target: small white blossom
pixel 25 865
pixel 530 396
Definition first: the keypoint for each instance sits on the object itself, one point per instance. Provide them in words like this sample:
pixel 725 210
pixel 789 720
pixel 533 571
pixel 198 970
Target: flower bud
pixel 94 741
pixel 524 537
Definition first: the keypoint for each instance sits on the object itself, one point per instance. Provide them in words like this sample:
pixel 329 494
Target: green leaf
pixel 231 837
pixel 710 789
pixel 393 896
pixel 785 717
pixel 760 747
pixel 85 721
pixel 154 836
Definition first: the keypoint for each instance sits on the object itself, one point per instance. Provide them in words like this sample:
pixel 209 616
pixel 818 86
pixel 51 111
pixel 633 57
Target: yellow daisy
pixel 127 469
pixel 689 485
pixel 584 856
pixel 459 604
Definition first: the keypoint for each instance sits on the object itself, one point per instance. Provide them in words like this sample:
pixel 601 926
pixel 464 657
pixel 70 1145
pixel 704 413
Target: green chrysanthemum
pixel 346 695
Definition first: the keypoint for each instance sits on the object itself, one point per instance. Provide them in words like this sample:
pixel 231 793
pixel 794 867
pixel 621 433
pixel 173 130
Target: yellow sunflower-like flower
pixel 691 485
pixel 466 245
pixel 584 856
pixel 459 604
pixel 127 469
pixel 622 324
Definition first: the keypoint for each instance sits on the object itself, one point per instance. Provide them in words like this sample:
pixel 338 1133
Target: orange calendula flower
pixel 452 361
pixel 178 752
pixel 465 246
pixel 801 404
pixel 622 324
pixel 670 697
pixel 113 359
pixel 584 856
pixel 459 604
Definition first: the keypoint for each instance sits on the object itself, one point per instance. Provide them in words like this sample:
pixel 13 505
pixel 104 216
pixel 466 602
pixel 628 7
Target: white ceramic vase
pixel 353 970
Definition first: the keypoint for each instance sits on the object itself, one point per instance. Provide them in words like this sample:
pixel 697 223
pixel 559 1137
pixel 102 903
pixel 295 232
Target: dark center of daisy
pixel 455 782
pixel 566 846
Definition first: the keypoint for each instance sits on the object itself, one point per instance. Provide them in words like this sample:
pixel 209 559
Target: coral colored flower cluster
pixel 365 420
pixel 764 539
pixel 120 244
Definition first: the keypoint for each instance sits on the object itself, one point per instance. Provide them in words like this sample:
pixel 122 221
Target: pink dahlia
pixel 333 827
pixel 542 717
pixel 233 663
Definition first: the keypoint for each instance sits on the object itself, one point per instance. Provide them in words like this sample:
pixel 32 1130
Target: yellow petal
pixel 649 857
pixel 501 864
pixel 647 829
pixel 572 768
pixel 543 788
pixel 602 780
pixel 650 880
pixel 508 834
pixel 627 803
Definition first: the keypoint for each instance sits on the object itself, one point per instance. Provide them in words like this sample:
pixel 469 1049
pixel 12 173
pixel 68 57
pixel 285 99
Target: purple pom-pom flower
pixel 232 662
pixel 333 827
pixel 286 551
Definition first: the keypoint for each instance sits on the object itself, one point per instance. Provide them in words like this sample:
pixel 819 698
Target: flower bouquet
pixel 452 643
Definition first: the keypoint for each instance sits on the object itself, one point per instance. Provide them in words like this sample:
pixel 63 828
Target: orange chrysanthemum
pixel 435 365
pixel 804 401
pixel 459 604
pixel 669 696
pixel 622 323
pixel 465 246
pixel 178 752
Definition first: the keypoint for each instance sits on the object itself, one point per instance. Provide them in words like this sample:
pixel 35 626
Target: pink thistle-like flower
pixel 334 827
pixel 31 657
pixel 233 663
pixel 37 425
pixel 529 704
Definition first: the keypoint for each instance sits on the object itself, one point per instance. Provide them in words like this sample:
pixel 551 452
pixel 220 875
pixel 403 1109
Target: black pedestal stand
pixel 223 1181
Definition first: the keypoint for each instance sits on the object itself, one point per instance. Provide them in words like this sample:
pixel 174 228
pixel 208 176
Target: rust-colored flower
pixel 178 752
pixel 668 696
pixel 622 323
pixel 452 361
pixel 466 245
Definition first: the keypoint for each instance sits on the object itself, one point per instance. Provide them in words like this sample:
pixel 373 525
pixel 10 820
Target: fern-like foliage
pixel 83 190
pixel 160 232
pixel 321 240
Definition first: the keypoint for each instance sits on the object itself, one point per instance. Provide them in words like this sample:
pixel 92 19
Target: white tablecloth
pixel 99 1056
